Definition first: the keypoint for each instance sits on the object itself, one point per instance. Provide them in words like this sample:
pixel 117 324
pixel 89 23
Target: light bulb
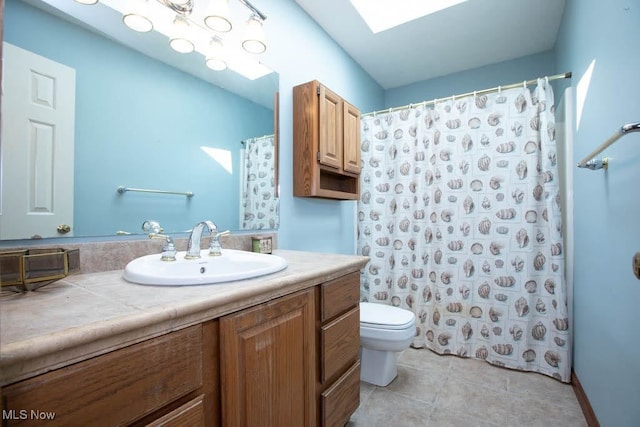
pixel 180 40
pixel 254 41
pixel 215 55
pixel 89 2
pixel 135 16
pixel 216 64
pixel 218 16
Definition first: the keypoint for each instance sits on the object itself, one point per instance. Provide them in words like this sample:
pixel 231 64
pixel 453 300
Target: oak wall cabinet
pixel 326 144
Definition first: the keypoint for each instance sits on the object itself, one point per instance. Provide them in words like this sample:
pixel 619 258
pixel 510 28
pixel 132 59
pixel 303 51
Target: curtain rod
pixel 257 138
pixel 477 92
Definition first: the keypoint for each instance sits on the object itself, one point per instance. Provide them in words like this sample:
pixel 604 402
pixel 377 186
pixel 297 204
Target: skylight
pixel 381 15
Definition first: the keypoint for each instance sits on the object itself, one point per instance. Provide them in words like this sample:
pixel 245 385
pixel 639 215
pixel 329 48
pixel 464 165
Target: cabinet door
pixel 113 389
pixel 268 358
pixel 330 143
pixel 351 149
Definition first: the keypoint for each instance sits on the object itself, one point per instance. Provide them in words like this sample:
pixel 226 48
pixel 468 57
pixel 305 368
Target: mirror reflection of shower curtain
pixel 258 204
pixel 460 214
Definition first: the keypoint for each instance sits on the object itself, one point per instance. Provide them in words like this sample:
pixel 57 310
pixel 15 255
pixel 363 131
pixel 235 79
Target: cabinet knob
pixel 636 264
pixel 63 228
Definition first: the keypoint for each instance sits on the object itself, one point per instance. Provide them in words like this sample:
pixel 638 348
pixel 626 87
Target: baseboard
pixel 587 410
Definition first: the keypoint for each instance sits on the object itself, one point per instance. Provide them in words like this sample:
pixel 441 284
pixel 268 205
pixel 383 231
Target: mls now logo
pixel 23 414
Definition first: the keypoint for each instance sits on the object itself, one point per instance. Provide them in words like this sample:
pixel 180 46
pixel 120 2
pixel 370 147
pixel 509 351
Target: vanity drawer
pixel 339 295
pixel 341 399
pixel 340 344
pixel 115 388
pixel 189 414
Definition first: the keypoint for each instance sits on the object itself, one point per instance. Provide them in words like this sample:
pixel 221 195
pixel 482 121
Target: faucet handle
pixel 168 249
pixel 214 247
pixel 151 226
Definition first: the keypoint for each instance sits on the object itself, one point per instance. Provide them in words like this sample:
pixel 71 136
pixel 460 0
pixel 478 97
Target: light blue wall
pixel 301 51
pixel 525 68
pixel 113 138
pixel 607 205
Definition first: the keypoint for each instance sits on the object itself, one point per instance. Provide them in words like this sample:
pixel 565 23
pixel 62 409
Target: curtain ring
pixel 546 80
pixel 499 90
pixel 411 105
pixel 474 94
pixel 524 84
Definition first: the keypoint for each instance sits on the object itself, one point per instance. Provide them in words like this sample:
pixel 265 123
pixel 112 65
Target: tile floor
pixel 434 390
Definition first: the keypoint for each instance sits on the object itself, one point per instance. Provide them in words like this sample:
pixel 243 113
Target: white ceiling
pixel 469 35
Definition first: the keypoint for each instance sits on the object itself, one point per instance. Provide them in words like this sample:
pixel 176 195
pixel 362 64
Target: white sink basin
pixel 231 265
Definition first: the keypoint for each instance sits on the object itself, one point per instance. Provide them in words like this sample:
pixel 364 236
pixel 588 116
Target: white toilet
pixel 385 331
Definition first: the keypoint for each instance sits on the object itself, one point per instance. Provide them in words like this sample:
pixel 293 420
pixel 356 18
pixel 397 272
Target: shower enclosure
pixel 461 214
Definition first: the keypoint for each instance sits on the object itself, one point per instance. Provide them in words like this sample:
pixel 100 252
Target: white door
pixel 36 149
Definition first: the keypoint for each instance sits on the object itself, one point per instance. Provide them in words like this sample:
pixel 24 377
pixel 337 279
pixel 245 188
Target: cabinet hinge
pixel 318 90
pixel 318 156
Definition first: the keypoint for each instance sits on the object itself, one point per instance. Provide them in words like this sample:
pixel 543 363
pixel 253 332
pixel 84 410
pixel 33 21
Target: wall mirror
pixel 143 117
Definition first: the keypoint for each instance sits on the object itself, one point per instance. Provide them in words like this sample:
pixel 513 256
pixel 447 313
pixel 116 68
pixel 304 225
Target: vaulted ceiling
pixel 469 35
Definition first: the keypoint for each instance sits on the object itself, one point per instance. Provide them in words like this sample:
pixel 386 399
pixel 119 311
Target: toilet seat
pixel 379 316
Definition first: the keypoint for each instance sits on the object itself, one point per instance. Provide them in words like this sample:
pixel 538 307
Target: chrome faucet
pixel 193 247
pixel 154 230
pixel 214 247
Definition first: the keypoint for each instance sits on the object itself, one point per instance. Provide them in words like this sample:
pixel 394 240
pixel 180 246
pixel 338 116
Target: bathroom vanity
pixel 281 349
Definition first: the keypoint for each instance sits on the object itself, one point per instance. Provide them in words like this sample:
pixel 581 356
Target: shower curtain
pixel 460 215
pixel 258 204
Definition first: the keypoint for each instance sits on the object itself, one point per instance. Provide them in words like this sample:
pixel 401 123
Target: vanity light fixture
pixel 254 41
pixel 209 29
pixel 218 16
pixel 135 17
pixel 184 7
pixel 215 55
pixel 181 38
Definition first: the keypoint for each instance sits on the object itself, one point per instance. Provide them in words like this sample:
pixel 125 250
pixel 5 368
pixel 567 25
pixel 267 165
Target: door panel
pixel 330 144
pixel 38 108
pixel 351 152
pixel 268 352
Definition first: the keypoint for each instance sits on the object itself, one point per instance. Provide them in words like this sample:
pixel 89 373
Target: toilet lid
pixel 385 316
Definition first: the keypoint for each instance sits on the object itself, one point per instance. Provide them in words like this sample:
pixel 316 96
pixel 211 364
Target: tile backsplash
pixel 114 255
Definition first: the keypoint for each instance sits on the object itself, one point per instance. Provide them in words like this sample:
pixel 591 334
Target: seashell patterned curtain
pixel 258 205
pixel 460 215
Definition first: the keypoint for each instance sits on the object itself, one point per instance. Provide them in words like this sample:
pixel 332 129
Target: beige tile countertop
pixel 87 315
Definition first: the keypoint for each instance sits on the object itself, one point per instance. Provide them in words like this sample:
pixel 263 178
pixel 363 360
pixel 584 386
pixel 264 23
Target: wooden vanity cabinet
pixel 338 384
pixel 291 361
pixel 170 380
pixel 326 144
pixel 268 354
